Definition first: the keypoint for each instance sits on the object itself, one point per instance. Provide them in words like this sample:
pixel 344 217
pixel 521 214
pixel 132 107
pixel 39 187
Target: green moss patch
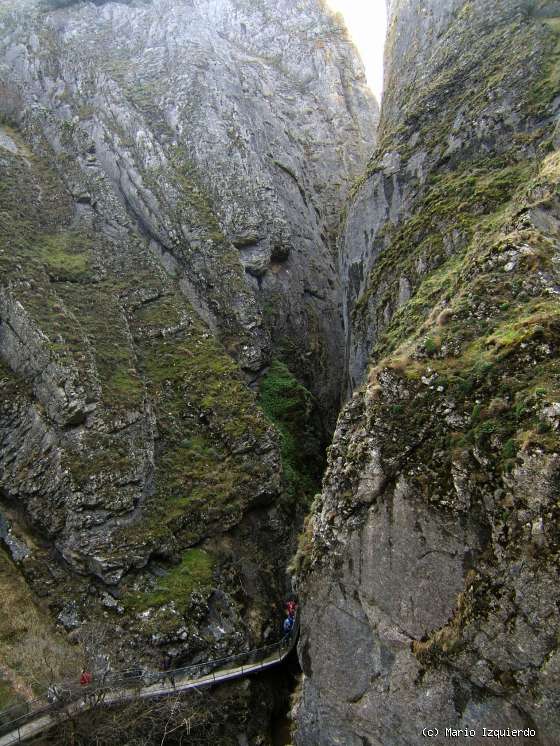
pixel 104 328
pixel 194 573
pixel 290 407
pixel 463 203
pixel 65 256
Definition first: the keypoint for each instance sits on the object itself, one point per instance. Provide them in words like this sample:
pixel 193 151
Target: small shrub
pixel 291 408
pixel 431 346
pixel 509 449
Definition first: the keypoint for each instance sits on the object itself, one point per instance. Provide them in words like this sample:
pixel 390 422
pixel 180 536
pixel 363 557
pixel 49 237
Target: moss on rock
pixel 193 573
pixel 291 408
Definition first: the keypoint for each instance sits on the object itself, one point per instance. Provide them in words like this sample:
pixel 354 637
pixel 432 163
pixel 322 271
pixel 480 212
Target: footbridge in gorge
pixel 24 721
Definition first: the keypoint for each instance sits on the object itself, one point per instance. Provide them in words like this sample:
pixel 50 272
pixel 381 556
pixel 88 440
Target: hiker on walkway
pixel 291 608
pixel 288 626
pixel 86 677
pixel 166 663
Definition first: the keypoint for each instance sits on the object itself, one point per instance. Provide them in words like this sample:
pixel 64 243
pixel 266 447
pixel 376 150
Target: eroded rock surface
pixel 172 178
pixel 429 565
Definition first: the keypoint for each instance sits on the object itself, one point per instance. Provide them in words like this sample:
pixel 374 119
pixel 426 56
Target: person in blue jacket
pixel 288 626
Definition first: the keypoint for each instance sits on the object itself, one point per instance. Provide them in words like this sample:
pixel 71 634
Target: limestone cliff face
pixel 428 568
pixel 231 131
pixel 172 176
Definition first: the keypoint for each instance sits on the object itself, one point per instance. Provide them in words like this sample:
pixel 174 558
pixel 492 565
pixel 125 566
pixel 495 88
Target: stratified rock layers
pixel 429 565
pixel 172 178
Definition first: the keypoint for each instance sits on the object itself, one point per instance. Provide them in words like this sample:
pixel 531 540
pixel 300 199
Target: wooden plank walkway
pixel 169 682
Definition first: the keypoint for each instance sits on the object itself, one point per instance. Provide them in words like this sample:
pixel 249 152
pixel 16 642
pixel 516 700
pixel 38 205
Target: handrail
pixel 136 683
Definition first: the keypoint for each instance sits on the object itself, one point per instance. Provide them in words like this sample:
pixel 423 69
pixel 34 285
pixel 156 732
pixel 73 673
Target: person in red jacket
pixel 291 608
pixel 86 677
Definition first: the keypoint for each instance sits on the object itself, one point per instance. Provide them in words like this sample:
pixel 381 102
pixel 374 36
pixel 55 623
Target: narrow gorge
pixel 220 260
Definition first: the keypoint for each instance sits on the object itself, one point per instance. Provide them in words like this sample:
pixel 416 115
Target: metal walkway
pixel 21 722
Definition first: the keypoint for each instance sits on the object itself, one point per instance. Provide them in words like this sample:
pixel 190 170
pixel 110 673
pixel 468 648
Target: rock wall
pixel 231 131
pixel 428 568
pixel 172 177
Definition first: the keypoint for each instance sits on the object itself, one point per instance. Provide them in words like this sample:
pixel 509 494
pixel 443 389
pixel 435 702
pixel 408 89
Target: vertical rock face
pixel 231 131
pixel 172 176
pixel 429 565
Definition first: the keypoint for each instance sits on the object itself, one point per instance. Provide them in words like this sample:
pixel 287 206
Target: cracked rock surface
pixel 172 178
pixel 428 567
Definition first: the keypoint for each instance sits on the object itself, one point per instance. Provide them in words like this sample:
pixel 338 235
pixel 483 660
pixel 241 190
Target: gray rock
pixel 176 174
pixel 428 567
pixel 69 618
pixel 17 548
pixel 7 142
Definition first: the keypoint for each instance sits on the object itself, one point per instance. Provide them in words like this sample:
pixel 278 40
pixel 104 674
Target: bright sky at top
pixel 366 20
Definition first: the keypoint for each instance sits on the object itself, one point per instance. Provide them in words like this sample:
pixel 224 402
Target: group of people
pixel 289 621
pixel 86 677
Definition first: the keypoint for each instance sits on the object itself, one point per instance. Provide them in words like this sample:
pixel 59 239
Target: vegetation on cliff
pixel 451 446
pixel 292 409
pixel 155 256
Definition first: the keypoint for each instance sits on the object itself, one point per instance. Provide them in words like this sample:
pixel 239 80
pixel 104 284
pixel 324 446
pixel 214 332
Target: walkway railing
pixel 60 700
